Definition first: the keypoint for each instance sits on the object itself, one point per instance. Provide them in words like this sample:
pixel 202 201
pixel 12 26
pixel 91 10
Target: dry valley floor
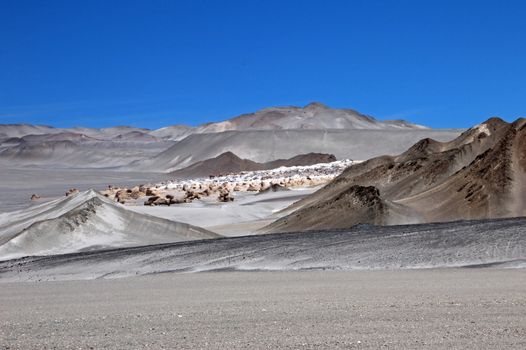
pixel 403 309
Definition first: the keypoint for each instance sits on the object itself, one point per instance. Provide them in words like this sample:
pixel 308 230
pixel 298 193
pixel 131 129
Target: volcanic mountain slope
pixel 478 175
pixel 228 162
pixel 266 145
pixel 313 116
pixel 283 132
pixel 262 136
pixel 85 221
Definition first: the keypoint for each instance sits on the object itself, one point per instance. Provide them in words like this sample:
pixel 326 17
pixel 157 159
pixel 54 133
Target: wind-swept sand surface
pixel 497 243
pixel 86 221
pixel 249 211
pixel 411 309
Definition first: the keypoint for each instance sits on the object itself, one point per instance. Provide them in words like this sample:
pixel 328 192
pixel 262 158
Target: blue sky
pixel 156 63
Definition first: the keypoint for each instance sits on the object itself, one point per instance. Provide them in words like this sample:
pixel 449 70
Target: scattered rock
pixel 274 188
pixel 191 195
pixel 151 200
pixel 71 191
pixel 225 196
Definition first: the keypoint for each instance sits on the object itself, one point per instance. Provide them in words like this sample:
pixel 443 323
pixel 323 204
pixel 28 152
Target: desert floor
pixel 18 184
pixel 406 309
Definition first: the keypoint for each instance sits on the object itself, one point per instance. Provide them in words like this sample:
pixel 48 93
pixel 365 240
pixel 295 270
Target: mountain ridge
pixel 262 136
pixel 228 162
pixel 478 175
pixel 313 109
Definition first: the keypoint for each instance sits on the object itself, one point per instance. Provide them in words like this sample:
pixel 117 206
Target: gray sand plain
pixel 18 184
pixel 403 309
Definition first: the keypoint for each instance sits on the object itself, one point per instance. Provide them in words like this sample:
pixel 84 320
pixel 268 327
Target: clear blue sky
pixel 155 63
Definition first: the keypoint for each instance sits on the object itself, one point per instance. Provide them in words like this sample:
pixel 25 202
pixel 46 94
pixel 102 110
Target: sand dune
pixel 471 243
pixel 85 221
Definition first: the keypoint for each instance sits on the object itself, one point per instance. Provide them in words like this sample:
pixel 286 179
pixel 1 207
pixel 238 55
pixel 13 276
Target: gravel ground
pixel 406 309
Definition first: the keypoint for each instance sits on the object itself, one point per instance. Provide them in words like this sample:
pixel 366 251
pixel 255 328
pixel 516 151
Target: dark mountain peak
pixel 494 122
pixel 227 155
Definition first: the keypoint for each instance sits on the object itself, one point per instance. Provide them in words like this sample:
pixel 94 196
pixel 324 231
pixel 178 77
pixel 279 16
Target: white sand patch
pixel 248 212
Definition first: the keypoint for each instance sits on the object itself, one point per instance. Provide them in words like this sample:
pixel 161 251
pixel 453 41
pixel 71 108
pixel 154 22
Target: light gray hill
pixel 43 146
pixel 108 133
pixel 267 145
pixel 173 132
pixel 85 221
pixel 19 130
pixel 483 243
pixel 72 155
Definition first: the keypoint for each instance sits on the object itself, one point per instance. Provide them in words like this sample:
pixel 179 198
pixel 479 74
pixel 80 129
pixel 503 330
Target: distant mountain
pixel 262 136
pixel 85 221
pixel 314 116
pixel 480 174
pixel 228 162
pixel 263 146
pixel 31 131
pixel 19 130
pixel 76 147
